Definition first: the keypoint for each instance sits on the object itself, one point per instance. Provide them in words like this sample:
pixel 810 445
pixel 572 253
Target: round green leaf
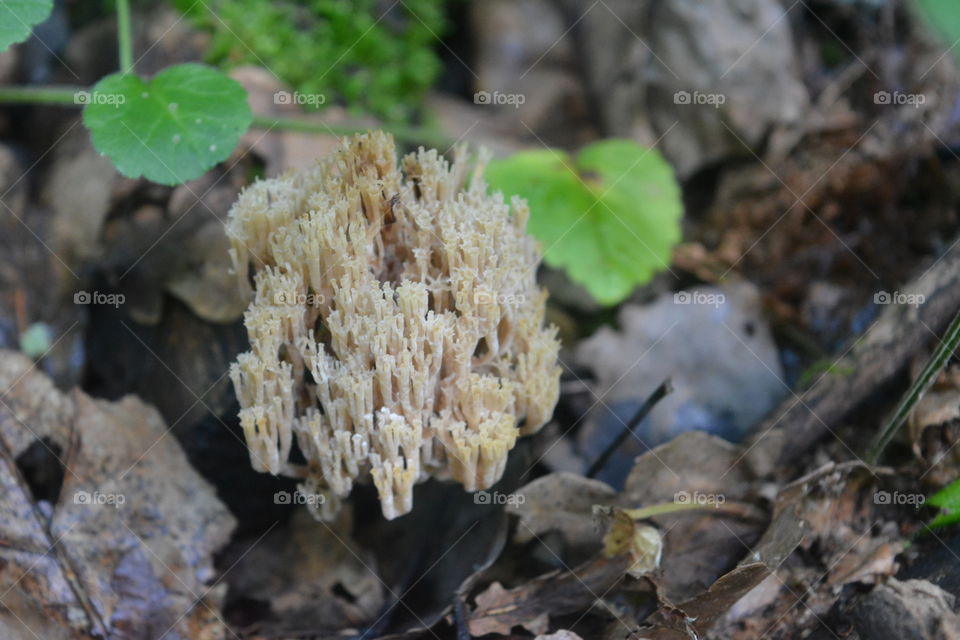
pixel 18 17
pixel 169 129
pixel 609 218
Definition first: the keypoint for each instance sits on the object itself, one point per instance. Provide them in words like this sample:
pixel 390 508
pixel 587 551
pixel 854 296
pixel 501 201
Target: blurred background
pixel 793 166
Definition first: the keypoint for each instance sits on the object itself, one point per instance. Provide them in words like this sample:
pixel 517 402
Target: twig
pixel 665 388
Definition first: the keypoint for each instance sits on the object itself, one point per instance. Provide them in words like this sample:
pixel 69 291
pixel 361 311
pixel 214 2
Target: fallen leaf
pixel 843 526
pixel 699 546
pixel 501 613
pixel 934 428
pixel 695 616
pixel 561 502
pixel 124 549
pixel 530 605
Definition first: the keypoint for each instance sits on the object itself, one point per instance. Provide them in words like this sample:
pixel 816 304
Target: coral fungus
pixel 396 326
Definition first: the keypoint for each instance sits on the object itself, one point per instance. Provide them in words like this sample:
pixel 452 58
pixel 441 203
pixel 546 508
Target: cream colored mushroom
pixel 396 328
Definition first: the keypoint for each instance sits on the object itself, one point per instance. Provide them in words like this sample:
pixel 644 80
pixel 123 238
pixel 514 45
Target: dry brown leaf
pixel 125 550
pixel 934 428
pixel 530 605
pixel 697 615
pixel 843 525
pixel 700 546
pixel 500 613
pixel 561 502
pixel 876 561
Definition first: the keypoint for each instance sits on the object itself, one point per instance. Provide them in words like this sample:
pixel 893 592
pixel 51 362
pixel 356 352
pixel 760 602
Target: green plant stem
pixel 39 95
pixel 66 96
pixel 743 510
pixel 937 361
pixel 124 37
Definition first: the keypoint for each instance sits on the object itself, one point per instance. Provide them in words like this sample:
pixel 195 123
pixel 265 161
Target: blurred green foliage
pixel 17 18
pixel 948 501
pixel 373 56
pixel 943 16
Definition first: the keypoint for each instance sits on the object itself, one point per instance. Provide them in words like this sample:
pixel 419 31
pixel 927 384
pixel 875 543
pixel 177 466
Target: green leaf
pixel 948 499
pixel 943 17
pixel 610 217
pixel 18 17
pixel 169 129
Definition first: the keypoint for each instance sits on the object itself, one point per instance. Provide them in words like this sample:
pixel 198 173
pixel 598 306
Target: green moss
pixel 360 53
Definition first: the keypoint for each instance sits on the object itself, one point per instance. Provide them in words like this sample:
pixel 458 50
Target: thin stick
pixel 665 388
